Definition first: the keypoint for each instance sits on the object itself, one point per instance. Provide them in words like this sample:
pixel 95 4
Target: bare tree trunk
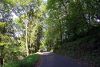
pixel 27 51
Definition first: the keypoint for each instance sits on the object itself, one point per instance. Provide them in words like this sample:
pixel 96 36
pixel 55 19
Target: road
pixel 53 60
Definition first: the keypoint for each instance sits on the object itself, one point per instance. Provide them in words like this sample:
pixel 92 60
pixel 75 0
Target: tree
pixel 68 21
pixel 13 34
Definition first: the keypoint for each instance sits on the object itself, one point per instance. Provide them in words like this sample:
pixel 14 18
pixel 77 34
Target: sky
pixel 45 0
pixel 14 15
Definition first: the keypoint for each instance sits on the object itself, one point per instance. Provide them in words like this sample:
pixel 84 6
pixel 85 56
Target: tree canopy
pixel 67 27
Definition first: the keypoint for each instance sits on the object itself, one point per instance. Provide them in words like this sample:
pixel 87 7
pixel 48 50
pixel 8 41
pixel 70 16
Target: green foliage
pixel 12 64
pixel 14 46
pixel 66 23
pixel 2 24
pixel 20 2
pixel 64 26
pixel 2 27
pixel 29 61
pixel 71 27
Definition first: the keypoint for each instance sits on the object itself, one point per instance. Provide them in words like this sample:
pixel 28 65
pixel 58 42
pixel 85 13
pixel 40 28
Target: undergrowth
pixel 29 61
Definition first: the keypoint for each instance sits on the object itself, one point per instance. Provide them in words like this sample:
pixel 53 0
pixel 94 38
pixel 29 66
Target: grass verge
pixel 29 61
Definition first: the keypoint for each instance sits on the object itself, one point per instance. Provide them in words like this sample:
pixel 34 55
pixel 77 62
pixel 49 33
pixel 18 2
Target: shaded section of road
pixel 53 60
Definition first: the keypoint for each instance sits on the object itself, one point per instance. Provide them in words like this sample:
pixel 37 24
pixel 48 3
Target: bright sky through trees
pixel 14 16
pixel 45 0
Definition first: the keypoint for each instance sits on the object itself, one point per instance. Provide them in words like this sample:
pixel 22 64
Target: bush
pixel 12 64
pixel 26 62
pixel 29 61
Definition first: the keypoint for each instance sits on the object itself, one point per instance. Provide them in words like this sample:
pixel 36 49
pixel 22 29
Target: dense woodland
pixel 67 27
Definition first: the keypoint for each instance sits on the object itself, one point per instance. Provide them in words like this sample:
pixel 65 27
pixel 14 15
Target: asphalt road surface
pixel 53 60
